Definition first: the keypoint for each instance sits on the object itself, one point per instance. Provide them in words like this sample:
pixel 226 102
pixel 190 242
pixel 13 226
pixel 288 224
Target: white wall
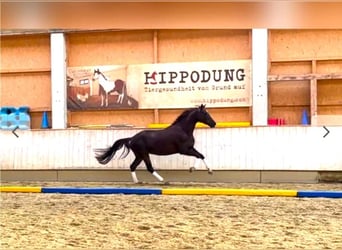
pixel 252 148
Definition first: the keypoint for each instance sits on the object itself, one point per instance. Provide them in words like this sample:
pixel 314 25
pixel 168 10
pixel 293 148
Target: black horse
pixel 177 138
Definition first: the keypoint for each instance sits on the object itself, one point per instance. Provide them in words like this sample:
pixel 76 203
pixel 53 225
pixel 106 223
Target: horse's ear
pixel 202 107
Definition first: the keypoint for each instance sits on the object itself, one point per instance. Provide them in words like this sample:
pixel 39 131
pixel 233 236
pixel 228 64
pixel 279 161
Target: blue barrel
pixel 24 117
pixel 9 118
pixel 13 118
pixel 3 118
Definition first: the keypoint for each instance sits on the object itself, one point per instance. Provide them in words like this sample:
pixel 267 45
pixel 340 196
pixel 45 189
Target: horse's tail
pixel 104 155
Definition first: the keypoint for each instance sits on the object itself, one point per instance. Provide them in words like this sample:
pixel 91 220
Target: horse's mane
pixel 182 116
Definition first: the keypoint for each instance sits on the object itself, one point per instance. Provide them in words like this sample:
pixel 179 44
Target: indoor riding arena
pixel 171 125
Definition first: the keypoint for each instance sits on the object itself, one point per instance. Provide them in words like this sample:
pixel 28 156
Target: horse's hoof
pixel 166 183
pixel 210 172
pixel 192 169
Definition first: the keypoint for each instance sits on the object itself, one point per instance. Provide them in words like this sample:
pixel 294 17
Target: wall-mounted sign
pixel 167 85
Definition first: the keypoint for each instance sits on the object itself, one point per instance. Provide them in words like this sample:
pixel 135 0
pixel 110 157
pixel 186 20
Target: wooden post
pixel 259 76
pixel 313 95
pixel 155 60
pixel 156 116
pixel 155 46
pixel 58 81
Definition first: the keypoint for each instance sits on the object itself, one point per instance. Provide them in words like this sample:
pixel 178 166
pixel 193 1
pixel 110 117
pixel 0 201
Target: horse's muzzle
pixel 212 125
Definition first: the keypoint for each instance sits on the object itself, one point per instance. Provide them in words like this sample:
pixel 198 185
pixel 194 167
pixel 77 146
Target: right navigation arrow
pixel 327 132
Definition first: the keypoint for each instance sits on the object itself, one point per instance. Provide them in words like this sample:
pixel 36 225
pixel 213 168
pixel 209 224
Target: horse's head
pixel 203 116
pixel 96 74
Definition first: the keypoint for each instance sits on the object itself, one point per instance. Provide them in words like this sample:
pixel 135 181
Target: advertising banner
pixel 159 86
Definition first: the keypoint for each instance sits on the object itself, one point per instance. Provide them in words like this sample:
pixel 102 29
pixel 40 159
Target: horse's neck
pixel 106 84
pixel 102 79
pixel 188 124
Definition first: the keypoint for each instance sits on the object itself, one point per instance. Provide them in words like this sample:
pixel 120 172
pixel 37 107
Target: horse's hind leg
pixel 133 167
pixel 196 165
pixel 120 98
pixel 102 100
pixel 150 169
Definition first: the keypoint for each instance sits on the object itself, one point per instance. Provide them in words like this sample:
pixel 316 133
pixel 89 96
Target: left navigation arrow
pixel 13 131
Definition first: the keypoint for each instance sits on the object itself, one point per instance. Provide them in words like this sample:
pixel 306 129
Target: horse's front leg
pixel 193 152
pixel 210 171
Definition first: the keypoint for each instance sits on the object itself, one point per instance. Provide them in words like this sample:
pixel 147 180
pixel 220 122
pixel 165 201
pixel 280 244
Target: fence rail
pixel 247 148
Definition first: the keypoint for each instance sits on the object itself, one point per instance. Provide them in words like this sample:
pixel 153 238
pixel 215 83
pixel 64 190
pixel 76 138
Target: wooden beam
pixel 21 71
pixel 303 77
pixel 273 78
pixel 289 60
pixel 328 76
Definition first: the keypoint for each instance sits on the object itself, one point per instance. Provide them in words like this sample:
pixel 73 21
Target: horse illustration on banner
pixel 108 86
pixel 93 88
